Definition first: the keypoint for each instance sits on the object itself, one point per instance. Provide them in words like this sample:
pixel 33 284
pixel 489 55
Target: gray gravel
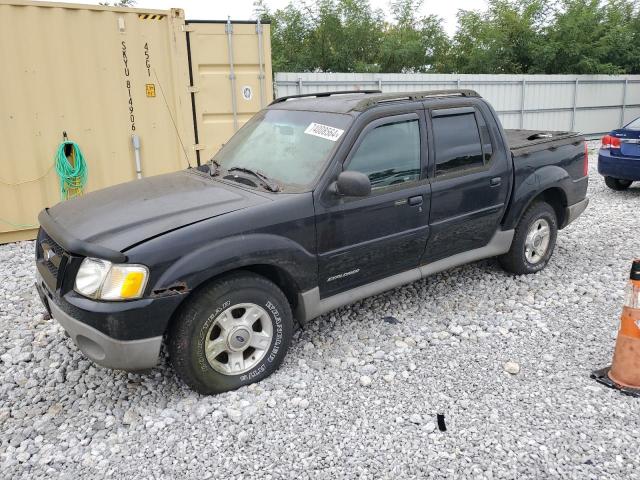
pixel 505 359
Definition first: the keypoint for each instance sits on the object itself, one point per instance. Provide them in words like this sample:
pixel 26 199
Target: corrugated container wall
pixel 103 74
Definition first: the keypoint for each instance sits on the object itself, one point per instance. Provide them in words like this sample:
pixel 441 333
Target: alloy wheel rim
pixel 537 241
pixel 238 339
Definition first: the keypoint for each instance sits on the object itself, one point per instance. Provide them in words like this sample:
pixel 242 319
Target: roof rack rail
pixel 366 103
pixel 321 94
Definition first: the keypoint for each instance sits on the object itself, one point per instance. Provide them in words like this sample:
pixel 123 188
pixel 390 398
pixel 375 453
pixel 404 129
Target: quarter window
pixel 389 154
pixel 457 143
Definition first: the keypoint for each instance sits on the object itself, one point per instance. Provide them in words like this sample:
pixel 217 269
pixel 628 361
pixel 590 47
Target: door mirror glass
pixel 353 184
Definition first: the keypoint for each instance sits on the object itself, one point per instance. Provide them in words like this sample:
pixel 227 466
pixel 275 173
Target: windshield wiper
pixel 265 181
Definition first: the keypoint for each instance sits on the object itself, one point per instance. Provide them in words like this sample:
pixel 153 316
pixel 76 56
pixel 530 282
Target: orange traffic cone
pixel 624 373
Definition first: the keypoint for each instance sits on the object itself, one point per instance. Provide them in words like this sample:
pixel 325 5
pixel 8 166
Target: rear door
pixel 361 240
pixel 470 180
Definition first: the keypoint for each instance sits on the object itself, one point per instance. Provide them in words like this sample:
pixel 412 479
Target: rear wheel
pixel 533 241
pixel 234 332
pixel 617 183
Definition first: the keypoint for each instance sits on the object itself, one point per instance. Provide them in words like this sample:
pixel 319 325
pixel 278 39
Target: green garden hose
pixel 71 170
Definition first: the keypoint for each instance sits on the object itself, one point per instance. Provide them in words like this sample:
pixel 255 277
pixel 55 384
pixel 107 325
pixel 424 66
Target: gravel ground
pixel 357 396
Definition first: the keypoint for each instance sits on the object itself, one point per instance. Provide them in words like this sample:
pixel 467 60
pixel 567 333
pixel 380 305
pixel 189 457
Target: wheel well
pixel 558 201
pixel 279 276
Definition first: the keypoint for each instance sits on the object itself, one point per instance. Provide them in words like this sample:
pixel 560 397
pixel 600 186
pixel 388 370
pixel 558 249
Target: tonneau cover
pixel 522 142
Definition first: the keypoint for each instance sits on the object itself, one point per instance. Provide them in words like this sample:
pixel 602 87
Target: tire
pixel 236 314
pixel 521 258
pixel 617 183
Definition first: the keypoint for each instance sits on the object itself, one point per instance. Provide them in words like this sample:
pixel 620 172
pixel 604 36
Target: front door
pixel 361 240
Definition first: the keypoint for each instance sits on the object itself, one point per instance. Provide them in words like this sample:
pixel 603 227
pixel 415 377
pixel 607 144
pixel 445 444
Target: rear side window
pixel 457 143
pixel 635 125
pixel 389 154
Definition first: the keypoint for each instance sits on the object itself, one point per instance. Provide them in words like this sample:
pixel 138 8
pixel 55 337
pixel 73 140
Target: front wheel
pixel 234 332
pixel 617 183
pixel 533 241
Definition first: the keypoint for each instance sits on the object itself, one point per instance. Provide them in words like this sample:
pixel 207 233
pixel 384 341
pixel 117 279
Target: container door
pixel 230 67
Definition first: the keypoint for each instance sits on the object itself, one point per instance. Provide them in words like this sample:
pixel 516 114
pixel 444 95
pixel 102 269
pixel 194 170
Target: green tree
pixel 330 36
pixel 502 39
pixel 119 3
pixel 420 48
pixel 589 38
pixel 509 36
pixel 345 36
pixel 290 30
pixel 326 37
pixel 361 35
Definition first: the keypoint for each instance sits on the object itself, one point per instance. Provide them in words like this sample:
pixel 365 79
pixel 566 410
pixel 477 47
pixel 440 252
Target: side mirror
pixel 352 184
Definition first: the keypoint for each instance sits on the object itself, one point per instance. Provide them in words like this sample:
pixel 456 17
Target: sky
pixel 243 9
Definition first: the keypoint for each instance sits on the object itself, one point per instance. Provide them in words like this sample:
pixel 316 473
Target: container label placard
pixel 324 131
pixel 150 89
pixel 247 92
pixel 127 73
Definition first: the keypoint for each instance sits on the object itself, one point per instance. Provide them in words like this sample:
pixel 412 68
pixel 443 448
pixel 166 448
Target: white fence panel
pixel 592 104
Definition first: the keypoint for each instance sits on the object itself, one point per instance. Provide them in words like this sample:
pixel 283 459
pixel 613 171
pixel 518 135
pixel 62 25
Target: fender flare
pixel 539 181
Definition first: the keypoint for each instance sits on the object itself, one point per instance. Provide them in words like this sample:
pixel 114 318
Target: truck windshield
pixel 289 147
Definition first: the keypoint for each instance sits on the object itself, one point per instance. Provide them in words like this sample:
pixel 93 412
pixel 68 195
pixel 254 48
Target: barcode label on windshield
pixel 324 131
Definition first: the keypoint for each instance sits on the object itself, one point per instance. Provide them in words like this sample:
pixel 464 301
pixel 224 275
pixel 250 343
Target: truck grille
pixel 49 253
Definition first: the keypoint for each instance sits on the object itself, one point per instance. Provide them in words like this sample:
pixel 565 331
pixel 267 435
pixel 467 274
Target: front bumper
pixel 623 168
pixel 131 355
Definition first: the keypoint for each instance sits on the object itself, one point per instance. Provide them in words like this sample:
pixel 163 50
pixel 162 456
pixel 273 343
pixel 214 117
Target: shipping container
pixel 104 75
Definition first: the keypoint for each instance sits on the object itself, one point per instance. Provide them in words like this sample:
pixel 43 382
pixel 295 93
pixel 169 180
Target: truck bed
pixel 522 142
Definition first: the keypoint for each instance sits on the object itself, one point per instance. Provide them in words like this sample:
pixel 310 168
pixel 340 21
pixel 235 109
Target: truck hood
pixel 118 217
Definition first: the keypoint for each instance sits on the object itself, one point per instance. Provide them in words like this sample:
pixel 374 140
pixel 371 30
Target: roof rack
pixel 321 94
pixel 367 103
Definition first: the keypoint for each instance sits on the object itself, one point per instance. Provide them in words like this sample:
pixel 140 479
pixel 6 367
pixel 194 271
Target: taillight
pixel 585 165
pixel 610 142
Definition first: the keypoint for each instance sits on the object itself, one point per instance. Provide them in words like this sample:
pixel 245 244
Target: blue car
pixel 619 157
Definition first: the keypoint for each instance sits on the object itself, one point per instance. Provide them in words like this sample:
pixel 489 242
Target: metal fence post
pixel 575 104
pixel 624 102
pixel 522 97
pixel 299 85
pixel 380 84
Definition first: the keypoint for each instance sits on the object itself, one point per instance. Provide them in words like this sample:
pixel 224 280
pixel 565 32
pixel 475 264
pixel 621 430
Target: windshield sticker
pixel 324 131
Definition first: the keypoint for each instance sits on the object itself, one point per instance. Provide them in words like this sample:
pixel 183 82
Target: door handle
pixel 495 181
pixel 415 201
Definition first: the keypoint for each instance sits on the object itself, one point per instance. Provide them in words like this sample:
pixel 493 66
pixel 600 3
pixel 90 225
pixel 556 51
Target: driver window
pixel 389 154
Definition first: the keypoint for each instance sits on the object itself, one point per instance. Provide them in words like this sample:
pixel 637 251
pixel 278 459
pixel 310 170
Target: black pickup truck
pixel 316 202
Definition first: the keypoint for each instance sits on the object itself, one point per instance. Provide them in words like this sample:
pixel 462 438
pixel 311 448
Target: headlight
pixel 91 276
pixel 104 280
